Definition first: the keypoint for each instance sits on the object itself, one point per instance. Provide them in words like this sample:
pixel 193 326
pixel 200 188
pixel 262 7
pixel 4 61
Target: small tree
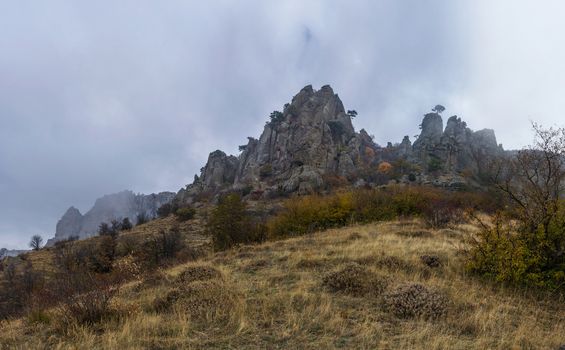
pixel 36 242
pixel 116 226
pixel 165 210
pixel 104 229
pixel 141 219
pixel 276 117
pixel 352 113
pixel 185 214
pixel 527 245
pixel 438 109
pixel 229 224
pixel 126 224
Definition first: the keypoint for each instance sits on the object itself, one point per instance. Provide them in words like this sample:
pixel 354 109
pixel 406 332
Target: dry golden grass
pixel 273 296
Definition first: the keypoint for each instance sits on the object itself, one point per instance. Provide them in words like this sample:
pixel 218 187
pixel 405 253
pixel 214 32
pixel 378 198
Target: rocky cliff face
pixel 313 139
pixel 115 206
pixel 453 150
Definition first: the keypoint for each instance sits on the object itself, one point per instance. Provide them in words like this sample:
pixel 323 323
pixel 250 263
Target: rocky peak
pixel 485 138
pixel 432 130
pixel 220 170
pixel 70 224
pixel 312 136
pixel 314 132
pixel 455 149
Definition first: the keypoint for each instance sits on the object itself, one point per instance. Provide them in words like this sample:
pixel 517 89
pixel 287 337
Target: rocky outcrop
pixel 220 170
pixel 313 139
pixel 115 206
pixel 314 136
pixel 70 224
pixel 456 149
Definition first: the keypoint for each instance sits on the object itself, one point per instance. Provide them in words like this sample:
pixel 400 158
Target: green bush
pixel 526 245
pixel 161 247
pixel 166 209
pixel 229 224
pixel 185 214
pixel 511 253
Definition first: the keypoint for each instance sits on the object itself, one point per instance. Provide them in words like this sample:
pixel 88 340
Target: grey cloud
pixel 97 97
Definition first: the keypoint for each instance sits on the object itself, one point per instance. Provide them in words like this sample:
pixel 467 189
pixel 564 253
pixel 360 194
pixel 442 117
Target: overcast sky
pixel 102 96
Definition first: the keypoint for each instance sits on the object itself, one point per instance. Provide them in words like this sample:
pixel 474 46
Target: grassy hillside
pixel 392 285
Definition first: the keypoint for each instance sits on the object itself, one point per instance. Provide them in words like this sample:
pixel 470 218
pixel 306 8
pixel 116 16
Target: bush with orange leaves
pixel 384 168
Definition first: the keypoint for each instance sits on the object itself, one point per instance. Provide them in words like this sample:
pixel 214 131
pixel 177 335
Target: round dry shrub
pixel 198 273
pixel 165 303
pixel 355 280
pixel 431 260
pixel 312 263
pixel 354 236
pixel 416 300
pixel 394 263
pixel 210 299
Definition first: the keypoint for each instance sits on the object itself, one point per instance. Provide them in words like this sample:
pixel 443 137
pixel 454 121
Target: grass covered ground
pixel 392 285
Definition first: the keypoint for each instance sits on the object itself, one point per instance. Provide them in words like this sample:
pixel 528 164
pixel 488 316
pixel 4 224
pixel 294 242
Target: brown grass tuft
pixel 198 273
pixel 355 280
pixel 394 263
pixel 415 234
pixel 432 261
pixel 210 297
pixel 416 300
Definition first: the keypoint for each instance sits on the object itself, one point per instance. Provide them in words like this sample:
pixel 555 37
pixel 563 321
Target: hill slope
pixel 291 294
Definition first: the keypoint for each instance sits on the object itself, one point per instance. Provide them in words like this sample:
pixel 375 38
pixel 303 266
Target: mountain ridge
pixel 313 139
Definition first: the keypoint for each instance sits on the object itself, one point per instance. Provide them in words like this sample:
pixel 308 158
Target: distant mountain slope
pixel 109 207
pixel 7 252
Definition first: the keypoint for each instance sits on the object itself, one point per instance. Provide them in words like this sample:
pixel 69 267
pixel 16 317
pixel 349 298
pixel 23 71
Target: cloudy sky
pixel 101 96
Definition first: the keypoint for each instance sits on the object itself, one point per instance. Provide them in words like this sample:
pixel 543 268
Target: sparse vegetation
pixel 219 302
pixel 526 243
pixel 438 208
pixel 416 300
pixel 266 171
pixel 160 247
pixel 36 242
pixel 230 224
pixel 355 280
pixel 141 219
pixel 276 117
pixel 165 210
pixel 185 213
pixel 438 109
pixel 126 225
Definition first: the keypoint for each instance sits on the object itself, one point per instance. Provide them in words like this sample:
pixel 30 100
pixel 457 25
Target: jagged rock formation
pixel 115 206
pixel 453 150
pixel 313 139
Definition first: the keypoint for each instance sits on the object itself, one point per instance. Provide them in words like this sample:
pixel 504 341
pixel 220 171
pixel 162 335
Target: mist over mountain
pixel 116 206
pixel 95 101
